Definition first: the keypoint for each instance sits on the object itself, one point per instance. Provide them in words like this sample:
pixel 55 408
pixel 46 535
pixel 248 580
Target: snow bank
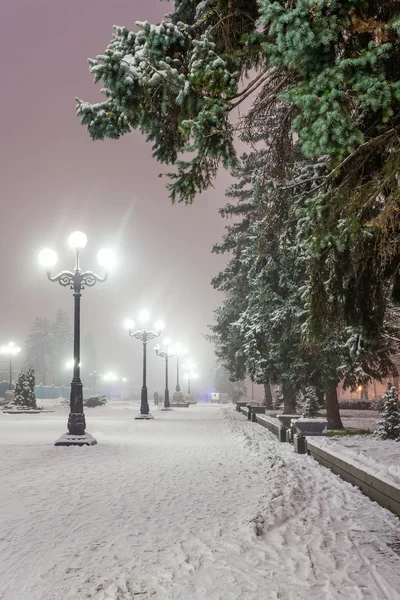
pixel 377 457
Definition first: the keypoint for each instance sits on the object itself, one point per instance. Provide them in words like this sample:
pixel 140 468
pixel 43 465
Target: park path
pixel 197 504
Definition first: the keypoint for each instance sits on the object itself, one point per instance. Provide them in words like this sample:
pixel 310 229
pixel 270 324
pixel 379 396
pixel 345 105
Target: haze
pixel 54 180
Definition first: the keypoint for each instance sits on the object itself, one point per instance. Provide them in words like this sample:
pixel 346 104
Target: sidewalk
pixel 198 504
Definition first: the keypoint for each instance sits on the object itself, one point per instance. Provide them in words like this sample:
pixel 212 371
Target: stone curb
pixel 380 491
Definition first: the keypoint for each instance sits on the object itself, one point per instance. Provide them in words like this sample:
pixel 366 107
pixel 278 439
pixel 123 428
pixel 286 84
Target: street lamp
pixel 11 350
pixel 166 355
pixel 77 281
pixel 144 335
pixel 95 376
pixel 189 366
pixel 180 352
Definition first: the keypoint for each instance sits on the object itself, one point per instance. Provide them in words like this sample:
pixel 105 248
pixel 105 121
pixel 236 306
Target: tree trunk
pixel 268 396
pixel 332 409
pixel 396 381
pixel 321 396
pixel 289 401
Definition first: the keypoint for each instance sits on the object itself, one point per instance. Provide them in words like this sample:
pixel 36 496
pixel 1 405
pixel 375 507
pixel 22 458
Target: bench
pixel 273 425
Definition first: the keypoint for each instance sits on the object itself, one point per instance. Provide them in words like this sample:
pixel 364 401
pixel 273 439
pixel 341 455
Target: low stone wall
pixel 273 425
pixel 383 493
pixel 245 411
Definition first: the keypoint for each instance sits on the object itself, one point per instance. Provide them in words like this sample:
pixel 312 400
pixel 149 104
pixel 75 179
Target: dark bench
pixel 255 409
pixel 240 403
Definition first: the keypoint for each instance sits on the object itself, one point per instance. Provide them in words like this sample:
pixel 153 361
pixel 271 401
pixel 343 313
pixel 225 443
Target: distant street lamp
pixel 77 280
pixel 111 377
pixel 189 366
pixel 11 350
pixel 95 376
pixel 166 355
pixel 179 353
pixel 144 335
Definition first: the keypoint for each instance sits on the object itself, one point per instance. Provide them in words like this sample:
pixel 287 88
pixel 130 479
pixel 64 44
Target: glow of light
pixel 47 258
pixel 10 350
pixel 129 324
pixel 124 380
pixel 159 325
pixel 359 389
pixel 77 240
pixel 70 364
pixel 144 316
pixel 167 341
pixel 110 377
pixel 107 258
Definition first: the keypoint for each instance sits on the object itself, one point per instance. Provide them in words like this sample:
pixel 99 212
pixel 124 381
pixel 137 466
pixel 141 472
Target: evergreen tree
pixel 61 343
pixel 25 389
pixel 277 401
pixel 31 381
pixel 389 426
pixel 19 398
pixel 40 347
pixel 330 71
pixel 311 402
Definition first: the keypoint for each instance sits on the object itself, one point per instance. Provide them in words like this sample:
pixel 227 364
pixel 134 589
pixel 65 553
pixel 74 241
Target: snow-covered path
pixel 170 509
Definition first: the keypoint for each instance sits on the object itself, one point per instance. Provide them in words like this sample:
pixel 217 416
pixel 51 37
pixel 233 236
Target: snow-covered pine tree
pixel 19 399
pixel 388 427
pixel 62 344
pixel 40 347
pixel 25 389
pixel 311 402
pixel 333 66
pixel 277 400
pixel 31 381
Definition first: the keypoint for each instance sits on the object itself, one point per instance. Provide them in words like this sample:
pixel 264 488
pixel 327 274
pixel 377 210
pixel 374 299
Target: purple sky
pixel 54 180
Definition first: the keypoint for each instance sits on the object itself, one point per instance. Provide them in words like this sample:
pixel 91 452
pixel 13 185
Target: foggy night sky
pixel 55 180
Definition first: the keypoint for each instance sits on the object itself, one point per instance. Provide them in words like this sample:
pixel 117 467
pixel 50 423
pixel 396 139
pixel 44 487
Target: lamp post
pixel 189 366
pixel 77 280
pixel 95 376
pixel 144 335
pixel 11 350
pixel 178 396
pixel 166 355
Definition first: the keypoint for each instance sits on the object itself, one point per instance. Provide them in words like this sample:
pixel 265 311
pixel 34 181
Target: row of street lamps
pixel 77 280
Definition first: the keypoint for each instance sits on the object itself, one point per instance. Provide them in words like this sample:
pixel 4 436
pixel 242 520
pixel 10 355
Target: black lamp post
pixel 144 335
pixel 166 355
pixel 77 281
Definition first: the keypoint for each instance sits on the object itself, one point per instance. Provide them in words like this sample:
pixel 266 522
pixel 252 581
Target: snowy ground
pixel 378 457
pixel 167 510
pixel 360 419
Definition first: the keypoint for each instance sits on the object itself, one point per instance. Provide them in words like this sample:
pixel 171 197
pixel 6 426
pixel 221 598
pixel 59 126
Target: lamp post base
pixel 144 417
pixel 69 439
pixel 167 408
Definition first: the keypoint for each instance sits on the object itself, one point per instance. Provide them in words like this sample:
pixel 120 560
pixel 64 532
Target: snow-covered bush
pixel 25 390
pixel 94 401
pixel 389 426
pixel 311 402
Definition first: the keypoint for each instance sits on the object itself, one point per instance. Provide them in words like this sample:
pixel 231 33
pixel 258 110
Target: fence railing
pixel 45 392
